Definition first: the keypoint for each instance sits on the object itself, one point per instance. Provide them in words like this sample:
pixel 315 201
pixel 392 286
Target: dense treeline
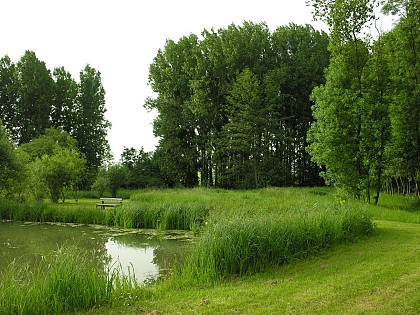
pixel 32 99
pixel 367 129
pixel 234 107
pixel 244 108
pixel 238 108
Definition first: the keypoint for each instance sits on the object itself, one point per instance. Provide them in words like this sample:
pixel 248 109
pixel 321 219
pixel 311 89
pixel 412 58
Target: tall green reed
pixel 43 212
pixel 68 281
pixel 247 242
pixel 162 215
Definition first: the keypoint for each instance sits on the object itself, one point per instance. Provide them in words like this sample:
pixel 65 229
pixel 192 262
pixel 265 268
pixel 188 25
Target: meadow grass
pixel 66 281
pixel 378 274
pixel 269 244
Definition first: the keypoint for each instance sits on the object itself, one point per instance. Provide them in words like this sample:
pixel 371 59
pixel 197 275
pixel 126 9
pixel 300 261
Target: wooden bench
pixel 109 202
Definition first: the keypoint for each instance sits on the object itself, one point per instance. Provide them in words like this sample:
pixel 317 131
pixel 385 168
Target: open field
pixel 325 259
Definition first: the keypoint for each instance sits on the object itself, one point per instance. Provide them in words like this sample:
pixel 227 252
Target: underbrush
pixel 68 281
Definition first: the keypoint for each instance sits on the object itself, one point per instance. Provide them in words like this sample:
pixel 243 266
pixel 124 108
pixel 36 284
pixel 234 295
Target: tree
pixel 202 111
pixel 54 162
pixel 62 169
pixel 8 95
pixel 91 126
pixel 301 58
pixel 35 89
pixel 47 143
pixel 9 164
pixel 111 178
pixel 349 135
pixel 143 169
pixel 402 46
pixel 240 139
pixel 118 177
pixel 169 76
pixel 63 114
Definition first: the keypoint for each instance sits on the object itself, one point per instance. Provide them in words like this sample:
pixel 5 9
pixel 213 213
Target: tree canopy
pixel 32 99
pixel 234 107
pixel 367 127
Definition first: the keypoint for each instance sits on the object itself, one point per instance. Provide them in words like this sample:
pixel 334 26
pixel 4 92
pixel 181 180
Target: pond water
pixel 147 254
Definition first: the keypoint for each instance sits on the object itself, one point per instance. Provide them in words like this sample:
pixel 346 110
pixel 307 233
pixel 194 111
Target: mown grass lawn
pixel 379 274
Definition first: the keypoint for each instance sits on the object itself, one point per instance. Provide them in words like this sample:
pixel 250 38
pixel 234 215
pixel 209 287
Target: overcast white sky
pixel 120 39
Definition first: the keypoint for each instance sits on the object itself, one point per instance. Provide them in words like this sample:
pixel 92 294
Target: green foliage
pixel 101 184
pixel 235 103
pixel 143 169
pixel 9 163
pixel 64 115
pixel 337 135
pixel 48 142
pixel 111 178
pixel 118 176
pixel 35 95
pixel 32 101
pixel 60 170
pixel 54 165
pixel 402 47
pixel 365 131
pixel 91 126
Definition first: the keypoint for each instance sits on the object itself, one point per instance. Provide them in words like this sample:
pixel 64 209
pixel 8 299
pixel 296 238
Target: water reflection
pixel 123 257
pixel 148 255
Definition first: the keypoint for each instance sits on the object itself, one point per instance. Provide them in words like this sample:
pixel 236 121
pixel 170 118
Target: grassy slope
pixel 378 275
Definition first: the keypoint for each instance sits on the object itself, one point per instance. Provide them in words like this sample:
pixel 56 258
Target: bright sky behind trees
pixel 121 38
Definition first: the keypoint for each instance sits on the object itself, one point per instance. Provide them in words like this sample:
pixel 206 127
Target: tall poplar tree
pixel 169 76
pixel 35 90
pixel 91 126
pixel 347 122
pixel 63 114
pixel 403 50
pixel 8 95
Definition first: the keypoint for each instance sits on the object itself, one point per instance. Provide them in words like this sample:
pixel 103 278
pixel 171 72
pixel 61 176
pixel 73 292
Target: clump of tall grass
pixel 243 243
pixel 43 212
pixel 69 281
pixel 162 216
pixel 13 210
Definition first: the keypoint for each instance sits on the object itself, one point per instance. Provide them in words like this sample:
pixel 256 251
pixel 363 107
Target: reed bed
pixel 84 213
pixel 162 215
pixel 246 242
pixel 68 281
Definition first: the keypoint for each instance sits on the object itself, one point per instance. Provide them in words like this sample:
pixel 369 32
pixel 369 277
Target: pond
pixel 144 252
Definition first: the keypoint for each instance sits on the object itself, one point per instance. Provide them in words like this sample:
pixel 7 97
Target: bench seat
pixel 109 202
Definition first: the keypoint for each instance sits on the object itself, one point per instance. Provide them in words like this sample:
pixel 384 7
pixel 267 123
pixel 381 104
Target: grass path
pixel 378 275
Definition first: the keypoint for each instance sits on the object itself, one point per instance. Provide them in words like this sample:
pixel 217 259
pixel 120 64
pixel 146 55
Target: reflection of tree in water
pixel 30 242
pixel 169 253
pixel 168 249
